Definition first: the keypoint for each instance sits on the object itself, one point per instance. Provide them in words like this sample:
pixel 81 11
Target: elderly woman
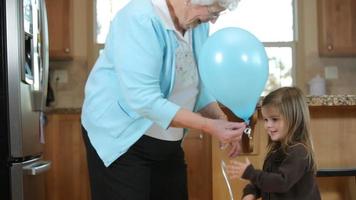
pixel 142 92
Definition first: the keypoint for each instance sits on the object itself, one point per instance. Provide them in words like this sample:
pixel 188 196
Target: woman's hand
pixel 214 111
pixel 236 169
pixel 235 148
pixel 249 197
pixel 224 130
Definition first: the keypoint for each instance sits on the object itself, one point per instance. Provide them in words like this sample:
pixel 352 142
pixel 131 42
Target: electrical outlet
pixel 60 76
pixel 331 72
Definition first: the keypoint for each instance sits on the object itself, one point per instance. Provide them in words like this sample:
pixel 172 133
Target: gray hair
pixel 229 4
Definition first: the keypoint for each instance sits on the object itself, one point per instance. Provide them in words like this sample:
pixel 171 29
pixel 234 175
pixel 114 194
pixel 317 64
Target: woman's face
pixel 274 123
pixel 196 14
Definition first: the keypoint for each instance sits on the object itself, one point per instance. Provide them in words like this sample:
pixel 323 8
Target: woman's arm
pixel 213 111
pixel 140 86
pixel 221 129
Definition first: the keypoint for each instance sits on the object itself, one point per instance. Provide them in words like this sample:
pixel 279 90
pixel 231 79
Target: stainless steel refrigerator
pixel 23 86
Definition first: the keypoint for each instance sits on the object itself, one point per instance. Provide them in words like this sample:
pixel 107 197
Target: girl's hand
pixel 236 169
pixel 249 197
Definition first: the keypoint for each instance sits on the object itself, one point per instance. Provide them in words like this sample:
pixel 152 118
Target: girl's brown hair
pixel 292 105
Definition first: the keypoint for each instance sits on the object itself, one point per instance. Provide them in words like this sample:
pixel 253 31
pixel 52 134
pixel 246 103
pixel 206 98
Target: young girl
pixel 289 167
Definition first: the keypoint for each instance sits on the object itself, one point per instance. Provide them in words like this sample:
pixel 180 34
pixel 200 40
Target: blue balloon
pixel 233 66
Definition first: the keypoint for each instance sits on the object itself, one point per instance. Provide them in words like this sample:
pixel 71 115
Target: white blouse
pixel 185 89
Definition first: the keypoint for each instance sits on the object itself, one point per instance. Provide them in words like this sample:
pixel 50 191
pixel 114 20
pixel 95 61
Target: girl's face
pixel 274 123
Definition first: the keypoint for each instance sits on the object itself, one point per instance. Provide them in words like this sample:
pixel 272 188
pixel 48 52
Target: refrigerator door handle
pixel 37 167
pixel 40 95
pixel 45 52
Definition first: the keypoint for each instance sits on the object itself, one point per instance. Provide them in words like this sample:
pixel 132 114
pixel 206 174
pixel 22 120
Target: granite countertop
pixel 325 100
pixel 63 110
pixel 332 100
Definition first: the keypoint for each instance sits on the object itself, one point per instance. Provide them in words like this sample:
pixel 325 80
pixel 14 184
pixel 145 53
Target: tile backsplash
pixel 345 83
pixel 312 64
pixel 71 93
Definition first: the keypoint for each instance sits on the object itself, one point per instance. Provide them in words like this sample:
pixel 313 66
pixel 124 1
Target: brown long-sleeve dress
pixel 285 176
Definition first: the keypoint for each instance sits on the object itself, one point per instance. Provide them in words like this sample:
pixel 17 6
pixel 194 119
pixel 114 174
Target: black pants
pixel 151 169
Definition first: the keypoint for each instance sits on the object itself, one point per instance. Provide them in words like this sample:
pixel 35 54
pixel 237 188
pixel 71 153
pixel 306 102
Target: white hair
pixel 229 4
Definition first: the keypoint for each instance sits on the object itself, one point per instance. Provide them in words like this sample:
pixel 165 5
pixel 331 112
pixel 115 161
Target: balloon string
pixel 223 167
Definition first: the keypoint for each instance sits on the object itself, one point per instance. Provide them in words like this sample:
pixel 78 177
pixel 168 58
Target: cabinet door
pixel 256 156
pixel 68 177
pixel 197 148
pixel 59 29
pixel 337 27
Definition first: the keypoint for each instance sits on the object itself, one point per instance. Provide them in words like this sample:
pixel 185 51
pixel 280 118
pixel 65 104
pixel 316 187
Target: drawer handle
pixel 37 168
pixel 330 47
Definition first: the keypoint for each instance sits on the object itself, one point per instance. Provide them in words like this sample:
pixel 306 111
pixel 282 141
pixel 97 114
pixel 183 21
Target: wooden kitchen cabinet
pixel 198 154
pixel 253 151
pixel 59 29
pixel 68 177
pixel 337 27
pixel 197 149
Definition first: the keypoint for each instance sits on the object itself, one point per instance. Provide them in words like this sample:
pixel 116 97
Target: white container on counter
pixel 317 86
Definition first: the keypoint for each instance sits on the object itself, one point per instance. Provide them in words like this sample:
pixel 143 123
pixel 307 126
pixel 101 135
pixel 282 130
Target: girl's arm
pixel 249 197
pixel 235 170
pixel 251 192
pixel 289 172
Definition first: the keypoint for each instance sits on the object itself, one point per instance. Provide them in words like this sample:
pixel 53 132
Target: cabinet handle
pixel 330 47
pixel 66 50
pixel 197 137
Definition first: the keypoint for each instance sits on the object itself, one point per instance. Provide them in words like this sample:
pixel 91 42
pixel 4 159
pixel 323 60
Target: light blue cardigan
pixel 127 89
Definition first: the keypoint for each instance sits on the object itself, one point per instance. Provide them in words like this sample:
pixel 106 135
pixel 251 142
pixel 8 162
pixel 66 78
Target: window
pixel 272 22
pixel 105 11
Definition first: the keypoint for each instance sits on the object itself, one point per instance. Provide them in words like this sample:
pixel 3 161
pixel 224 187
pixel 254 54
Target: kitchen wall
pixel 70 94
pixel 309 64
